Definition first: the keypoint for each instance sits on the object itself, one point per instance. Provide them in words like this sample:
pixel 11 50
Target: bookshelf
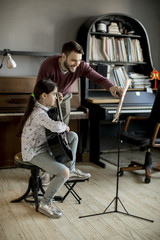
pixel 116 46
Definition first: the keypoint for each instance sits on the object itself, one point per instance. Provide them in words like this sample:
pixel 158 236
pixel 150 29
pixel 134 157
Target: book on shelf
pixel 96 49
pixel 137 75
pixel 104 49
pixel 118 76
pixel 117 50
pixel 136 54
pixel 124 50
pixel 139 51
pixel 128 46
pixel 115 78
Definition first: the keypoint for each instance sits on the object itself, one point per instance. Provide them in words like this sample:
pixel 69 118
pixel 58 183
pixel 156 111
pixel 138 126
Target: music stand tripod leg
pixel 116 198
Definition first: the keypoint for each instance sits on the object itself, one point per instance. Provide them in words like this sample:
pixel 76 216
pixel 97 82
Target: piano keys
pixel 107 112
pixel 134 103
pixel 130 110
pixel 11 114
pixel 73 114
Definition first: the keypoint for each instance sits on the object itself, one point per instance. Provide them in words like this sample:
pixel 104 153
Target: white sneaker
pixel 49 210
pixel 45 177
pixel 79 175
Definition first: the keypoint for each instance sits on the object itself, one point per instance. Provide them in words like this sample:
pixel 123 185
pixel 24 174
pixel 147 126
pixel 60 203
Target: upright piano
pixel 102 111
pixel 103 52
pixel 14 94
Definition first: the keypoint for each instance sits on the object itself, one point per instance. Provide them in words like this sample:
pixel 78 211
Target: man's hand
pixel 114 90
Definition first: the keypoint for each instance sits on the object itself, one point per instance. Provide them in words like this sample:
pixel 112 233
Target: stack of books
pixel 113 28
pixel 139 81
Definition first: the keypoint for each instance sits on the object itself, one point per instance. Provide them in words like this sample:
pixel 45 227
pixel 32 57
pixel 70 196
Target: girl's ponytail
pixel 27 113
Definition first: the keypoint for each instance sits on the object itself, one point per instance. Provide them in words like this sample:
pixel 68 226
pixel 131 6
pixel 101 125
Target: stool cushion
pixel 19 161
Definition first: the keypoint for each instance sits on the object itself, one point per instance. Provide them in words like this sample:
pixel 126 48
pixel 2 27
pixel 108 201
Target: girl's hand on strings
pixel 67 129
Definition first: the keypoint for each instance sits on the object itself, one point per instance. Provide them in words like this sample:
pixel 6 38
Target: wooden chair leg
pixel 133 163
pixel 36 181
pixel 156 167
pixel 130 169
pixel 148 166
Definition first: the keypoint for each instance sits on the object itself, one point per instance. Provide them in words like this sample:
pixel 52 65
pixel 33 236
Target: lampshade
pixel 10 62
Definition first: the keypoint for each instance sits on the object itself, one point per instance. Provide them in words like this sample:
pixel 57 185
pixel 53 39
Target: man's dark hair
pixel 72 46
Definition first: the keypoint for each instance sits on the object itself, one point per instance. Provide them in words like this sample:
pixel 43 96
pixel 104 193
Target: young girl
pixel 35 148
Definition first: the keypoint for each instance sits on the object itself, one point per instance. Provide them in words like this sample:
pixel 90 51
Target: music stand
pixel 116 198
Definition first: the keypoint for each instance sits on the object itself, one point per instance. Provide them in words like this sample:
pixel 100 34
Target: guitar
pixel 58 138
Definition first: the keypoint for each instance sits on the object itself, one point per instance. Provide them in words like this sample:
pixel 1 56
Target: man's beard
pixel 67 66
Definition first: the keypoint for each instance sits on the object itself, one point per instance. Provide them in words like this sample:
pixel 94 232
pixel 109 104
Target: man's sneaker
pixel 79 175
pixel 49 210
pixel 45 177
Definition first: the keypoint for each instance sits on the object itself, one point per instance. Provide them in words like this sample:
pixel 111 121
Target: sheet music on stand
pixel 116 116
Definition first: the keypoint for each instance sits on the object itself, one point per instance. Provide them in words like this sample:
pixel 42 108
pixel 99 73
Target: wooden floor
pixel 21 221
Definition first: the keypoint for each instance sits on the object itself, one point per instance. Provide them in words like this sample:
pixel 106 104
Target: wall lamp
pixel 10 62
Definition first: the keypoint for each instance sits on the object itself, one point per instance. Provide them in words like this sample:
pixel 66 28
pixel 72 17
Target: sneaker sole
pixel 48 215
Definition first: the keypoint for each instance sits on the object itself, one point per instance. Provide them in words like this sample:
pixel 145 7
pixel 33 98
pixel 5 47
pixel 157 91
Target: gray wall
pixel 44 25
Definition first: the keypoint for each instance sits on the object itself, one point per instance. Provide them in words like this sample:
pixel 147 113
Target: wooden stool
pixel 34 184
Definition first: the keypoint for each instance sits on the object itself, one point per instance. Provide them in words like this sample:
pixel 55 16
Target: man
pixel 65 69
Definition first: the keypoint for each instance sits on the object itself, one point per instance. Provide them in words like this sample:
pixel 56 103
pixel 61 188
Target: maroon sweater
pixel 50 69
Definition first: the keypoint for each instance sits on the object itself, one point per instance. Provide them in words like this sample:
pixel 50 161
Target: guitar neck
pixel 59 109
